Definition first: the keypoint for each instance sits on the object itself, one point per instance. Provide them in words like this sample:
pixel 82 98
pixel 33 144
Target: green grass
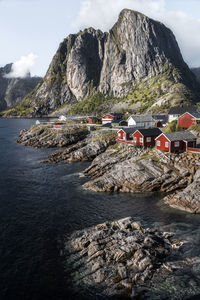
pixel 105 137
pixel 95 103
pixel 172 127
pixel 195 128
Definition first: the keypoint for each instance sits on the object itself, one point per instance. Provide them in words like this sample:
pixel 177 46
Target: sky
pixel 31 30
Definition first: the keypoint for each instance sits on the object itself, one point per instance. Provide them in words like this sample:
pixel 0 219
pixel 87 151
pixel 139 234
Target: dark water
pixel 39 203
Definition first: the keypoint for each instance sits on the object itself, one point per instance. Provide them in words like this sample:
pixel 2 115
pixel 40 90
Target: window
pixel 166 144
pixel 148 139
pixel 158 143
pixel 119 134
pixel 141 140
pixel 176 144
pixel 135 139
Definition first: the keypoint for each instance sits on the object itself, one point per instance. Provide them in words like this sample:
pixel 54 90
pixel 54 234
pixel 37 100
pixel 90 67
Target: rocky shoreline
pixel 117 167
pixel 116 257
pixel 124 260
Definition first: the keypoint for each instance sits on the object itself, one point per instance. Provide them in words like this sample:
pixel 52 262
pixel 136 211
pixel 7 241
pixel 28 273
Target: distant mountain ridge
pixel 13 90
pixel 136 66
pixel 196 71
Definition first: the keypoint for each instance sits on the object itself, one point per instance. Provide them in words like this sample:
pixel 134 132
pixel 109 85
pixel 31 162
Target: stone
pixel 126 261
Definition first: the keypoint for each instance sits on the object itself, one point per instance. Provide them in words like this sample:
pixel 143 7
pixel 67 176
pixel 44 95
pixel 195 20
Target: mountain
pixel 196 71
pixel 136 66
pixel 13 90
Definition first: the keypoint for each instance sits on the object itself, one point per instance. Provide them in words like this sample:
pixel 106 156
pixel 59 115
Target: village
pixel 150 130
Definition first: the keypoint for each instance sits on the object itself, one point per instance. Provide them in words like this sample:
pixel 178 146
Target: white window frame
pixel 119 134
pixel 141 140
pixel 166 144
pixel 148 139
pixel 176 144
pixel 134 139
pixel 158 143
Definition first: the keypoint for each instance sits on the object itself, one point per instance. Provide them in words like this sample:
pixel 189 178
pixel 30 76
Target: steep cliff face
pixel 138 61
pixel 13 90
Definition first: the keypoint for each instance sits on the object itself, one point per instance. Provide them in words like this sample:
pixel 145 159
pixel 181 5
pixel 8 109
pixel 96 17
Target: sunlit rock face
pixel 136 49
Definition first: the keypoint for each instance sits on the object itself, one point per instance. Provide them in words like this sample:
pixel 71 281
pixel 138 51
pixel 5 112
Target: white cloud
pixel 23 66
pixel 102 14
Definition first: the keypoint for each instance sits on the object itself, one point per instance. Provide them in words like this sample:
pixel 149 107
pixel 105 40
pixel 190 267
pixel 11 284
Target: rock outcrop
pixel 13 90
pixel 45 136
pixel 120 168
pixel 189 198
pixel 138 57
pixel 115 257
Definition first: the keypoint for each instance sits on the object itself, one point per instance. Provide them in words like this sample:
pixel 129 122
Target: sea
pixel 42 203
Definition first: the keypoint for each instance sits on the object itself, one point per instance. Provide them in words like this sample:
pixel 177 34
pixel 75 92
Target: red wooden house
pixel 108 118
pixel 125 134
pixel 189 119
pixel 146 137
pixel 91 120
pixel 175 141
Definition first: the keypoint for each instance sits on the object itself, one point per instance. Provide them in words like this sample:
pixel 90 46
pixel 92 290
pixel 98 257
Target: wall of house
pixel 120 134
pixel 186 120
pixel 137 135
pixel 162 146
pixel 129 136
pixel 131 122
pixel 175 147
pixel 151 143
pixel 192 144
pixel 158 124
pixel 107 119
pixel 172 117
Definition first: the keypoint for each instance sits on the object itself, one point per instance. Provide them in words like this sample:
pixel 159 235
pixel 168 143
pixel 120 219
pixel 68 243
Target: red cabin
pixel 175 141
pixel 108 118
pixel 91 120
pixel 146 137
pixel 189 119
pixel 125 134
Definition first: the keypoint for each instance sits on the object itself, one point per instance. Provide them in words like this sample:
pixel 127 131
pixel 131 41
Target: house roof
pixel 150 131
pixel 142 118
pixel 161 117
pixel 179 110
pixel 179 135
pixel 129 130
pixel 195 114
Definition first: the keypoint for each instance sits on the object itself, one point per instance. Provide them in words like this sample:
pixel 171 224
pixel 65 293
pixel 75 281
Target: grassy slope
pixel 141 97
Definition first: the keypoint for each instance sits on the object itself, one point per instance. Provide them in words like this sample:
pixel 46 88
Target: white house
pixel 141 121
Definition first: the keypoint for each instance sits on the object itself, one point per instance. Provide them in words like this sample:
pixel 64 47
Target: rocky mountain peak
pixel 138 61
pixel 13 90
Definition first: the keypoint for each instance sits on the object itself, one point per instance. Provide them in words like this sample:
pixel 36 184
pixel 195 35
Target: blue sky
pixel 38 26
